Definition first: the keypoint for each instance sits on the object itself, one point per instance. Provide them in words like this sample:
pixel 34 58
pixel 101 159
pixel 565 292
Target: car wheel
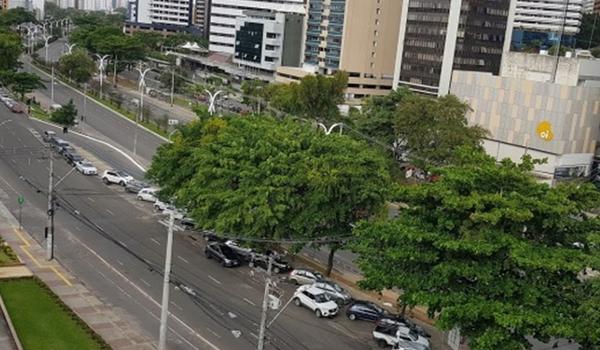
pixel 251 264
pixel 276 270
pixel 297 302
pixel 318 313
pixel 382 343
pixel 207 254
pixel 294 281
pixel 105 180
pixel 139 198
pixel 122 183
pixel 352 317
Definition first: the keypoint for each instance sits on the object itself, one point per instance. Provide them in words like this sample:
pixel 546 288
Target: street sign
pixel 21 199
pixel 173 122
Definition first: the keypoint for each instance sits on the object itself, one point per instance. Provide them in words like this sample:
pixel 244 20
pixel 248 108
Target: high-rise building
pixel 438 36
pixel 356 36
pixel 546 21
pixel 165 16
pixel 588 6
pixel 597 7
pixel 224 15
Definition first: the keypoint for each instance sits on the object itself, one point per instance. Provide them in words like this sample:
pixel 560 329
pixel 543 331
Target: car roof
pixel 314 290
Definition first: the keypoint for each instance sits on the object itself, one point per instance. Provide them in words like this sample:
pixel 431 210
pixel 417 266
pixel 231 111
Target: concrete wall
pixel 513 109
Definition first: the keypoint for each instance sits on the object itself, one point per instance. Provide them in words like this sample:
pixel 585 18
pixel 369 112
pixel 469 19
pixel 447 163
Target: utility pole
pixel 84 103
pixel 265 306
pixel 50 224
pixel 172 85
pixel 52 85
pixel 164 313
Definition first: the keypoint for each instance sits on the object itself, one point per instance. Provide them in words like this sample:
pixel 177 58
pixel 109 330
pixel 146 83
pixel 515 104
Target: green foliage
pixel 65 115
pixel 596 52
pixel 24 82
pixel 167 79
pixel 15 16
pixel 259 177
pixel 489 250
pixel 10 50
pixel 314 97
pixel 589 31
pixel 253 88
pixel 553 50
pixel 78 66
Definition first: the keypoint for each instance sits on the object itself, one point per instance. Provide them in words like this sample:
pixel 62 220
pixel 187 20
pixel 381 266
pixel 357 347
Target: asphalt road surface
pixel 116 244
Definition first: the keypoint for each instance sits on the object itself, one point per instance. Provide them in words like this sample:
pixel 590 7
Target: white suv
pixel 116 177
pixel 316 300
pixel 147 194
pixel 86 167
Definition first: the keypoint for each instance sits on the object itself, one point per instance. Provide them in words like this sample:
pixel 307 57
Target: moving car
pixel 334 290
pixel 72 157
pixel 222 253
pixel 86 167
pixel 304 276
pixel 244 252
pixel 48 135
pixel 135 186
pixel 389 335
pixel 365 310
pixel 262 260
pixel 116 177
pixel 316 300
pixel 59 143
pixel 146 194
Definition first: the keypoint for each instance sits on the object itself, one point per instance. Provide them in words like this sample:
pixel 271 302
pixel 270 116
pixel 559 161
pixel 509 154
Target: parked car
pixel 303 276
pixel 188 223
pixel 210 236
pixel 279 265
pixel 48 135
pixel 390 335
pixel 222 253
pixel 365 310
pixel 135 186
pixel 116 177
pixel 334 290
pixel 86 167
pixel 18 107
pixel 399 319
pixel 65 149
pixel 244 252
pixel 409 345
pixel 58 143
pixel 147 194
pixel 316 300
pixel 72 157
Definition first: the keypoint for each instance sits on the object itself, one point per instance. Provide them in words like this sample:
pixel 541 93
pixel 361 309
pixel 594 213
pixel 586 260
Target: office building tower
pixel 356 36
pixel 588 6
pixel 224 15
pixel 547 22
pixel 438 36
pixel 164 16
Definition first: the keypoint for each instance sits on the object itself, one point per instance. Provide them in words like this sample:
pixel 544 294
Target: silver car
pixel 334 290
pixel 302 276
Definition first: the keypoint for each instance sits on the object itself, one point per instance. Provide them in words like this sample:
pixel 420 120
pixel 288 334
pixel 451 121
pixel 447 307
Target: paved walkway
pixel 119 334
pixel 6 341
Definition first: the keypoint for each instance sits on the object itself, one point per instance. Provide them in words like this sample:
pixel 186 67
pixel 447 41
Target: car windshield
pixel 86 163
pixel 335 287
pixel 322 298
pixel 376 308
pixel 228 252
pixel 122 174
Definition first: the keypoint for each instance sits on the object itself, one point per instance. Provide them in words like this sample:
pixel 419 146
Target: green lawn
pixel 7 256
pixel 41 321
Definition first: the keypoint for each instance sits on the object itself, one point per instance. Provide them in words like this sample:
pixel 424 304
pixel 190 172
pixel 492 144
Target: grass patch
pixel 7 255
pixel 42 321
pixel 39 113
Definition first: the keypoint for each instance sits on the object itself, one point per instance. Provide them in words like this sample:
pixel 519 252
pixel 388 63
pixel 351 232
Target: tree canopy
pixel 10 50
pixel 491 251
pixel 16 16
pixel 24 82
pixel 65 115
pixel 264 178
pixel 589 31
pixel 78 66
pixel 314 97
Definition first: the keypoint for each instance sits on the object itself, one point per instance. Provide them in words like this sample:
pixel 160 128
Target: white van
pixel 147 194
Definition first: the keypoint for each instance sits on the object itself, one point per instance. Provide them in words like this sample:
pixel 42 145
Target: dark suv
pixel 262 261
pixel 72 157
pixel 222 253
pixel 365 310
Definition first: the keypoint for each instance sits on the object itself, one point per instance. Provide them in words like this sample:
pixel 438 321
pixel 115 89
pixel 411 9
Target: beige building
pixel 356 36
pixel 539 108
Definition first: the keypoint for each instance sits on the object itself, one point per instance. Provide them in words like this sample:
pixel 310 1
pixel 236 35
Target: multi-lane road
pixel 116 245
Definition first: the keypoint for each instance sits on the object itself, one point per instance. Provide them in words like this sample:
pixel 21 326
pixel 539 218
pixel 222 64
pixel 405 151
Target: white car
pixel 316 300
pixel 334 290
pixel 116 177
pixel 147 194
pixel 86 167
pixel 391 334
pixel 302 276
pixel 166 209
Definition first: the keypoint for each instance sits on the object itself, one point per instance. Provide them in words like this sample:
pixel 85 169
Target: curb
pixel 11 328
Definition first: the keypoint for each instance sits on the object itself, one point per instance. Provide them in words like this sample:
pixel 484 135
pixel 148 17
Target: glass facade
pixel 317 32
pixel 479 39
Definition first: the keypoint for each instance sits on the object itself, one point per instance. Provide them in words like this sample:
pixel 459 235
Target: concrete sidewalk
pixel 120 335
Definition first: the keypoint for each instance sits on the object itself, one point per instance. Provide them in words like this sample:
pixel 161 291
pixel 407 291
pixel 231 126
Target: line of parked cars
pixel 69 153
pixel 14 106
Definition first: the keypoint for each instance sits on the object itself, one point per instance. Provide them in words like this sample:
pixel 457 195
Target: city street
pixel 116 245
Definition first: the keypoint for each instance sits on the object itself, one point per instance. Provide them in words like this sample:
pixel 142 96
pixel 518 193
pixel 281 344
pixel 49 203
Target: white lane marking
pixel 182 259
pixel 213 332
pixel 177 306
pixel 155 241
pixel 144 282
pixel 77 228
pixel 120 263
pixel 14 161
pixel 18 138
pixel 214 279
pixel 123 244
pixel 9 186
pixel 156 304
pixel 91 200
pixel 110 212
pixel 254 335
pixel 249 302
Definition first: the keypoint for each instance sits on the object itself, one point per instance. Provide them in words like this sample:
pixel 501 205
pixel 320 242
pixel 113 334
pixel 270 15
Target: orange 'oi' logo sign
pixel 544 131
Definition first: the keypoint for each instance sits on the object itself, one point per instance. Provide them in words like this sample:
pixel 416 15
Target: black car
pixel 222 253
pixel 134 186
pixel 210 236
pixel 188 223
pixel 72 157
pixel 391 319
pixel 65 149
pixel 365 310
pixel 262 261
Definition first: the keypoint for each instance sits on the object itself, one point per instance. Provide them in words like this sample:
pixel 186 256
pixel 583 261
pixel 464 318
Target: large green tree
pixel 589 31
pixel 78 66
pixel 10 50
pixel 24 82
pixel 491 251
pixel 16 16
pixel 65 115
pixel 264 178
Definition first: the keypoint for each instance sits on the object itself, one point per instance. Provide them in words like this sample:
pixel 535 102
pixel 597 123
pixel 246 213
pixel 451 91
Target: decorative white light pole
pixel 142 87
pixel 101 65
pixel 330 130
pixel 70 48
pixel 211 107
pixel 46 40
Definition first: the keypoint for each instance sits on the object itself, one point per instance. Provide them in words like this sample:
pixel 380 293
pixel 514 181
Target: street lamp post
pixel 212 98
pixel 142 87
pixel 101 65
pixel 46 39
pixel 70 48
pixel 164 313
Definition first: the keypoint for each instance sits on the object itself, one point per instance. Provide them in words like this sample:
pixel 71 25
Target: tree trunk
pixel 330 261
